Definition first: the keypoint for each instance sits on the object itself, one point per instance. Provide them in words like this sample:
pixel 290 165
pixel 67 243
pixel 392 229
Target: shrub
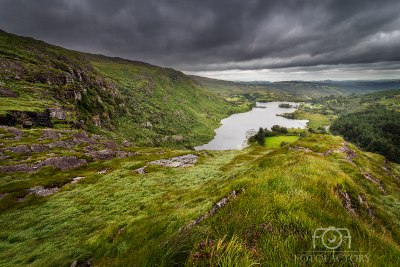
pixel 284 144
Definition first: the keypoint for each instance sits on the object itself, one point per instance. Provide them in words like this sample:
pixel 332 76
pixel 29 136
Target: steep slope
pixel 163 105
pixel 49 86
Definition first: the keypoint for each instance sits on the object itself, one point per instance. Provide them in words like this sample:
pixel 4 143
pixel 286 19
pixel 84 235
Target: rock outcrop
pixel 57 113
pixel 349 155
pixel 225 200
pixel 175 162
pixel 84 138
pixel 62 163
pixel 18 133
pixel 102 155
pixel 17 149
pixel 7 93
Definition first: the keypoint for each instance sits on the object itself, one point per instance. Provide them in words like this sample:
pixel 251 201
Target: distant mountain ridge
pixel 294 90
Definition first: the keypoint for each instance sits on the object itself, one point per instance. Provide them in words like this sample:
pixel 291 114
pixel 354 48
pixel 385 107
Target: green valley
pixel 98 168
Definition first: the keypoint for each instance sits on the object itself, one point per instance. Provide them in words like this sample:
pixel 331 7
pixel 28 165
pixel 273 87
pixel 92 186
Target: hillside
pixel 109 212
pixel 49 86
pixel 371 121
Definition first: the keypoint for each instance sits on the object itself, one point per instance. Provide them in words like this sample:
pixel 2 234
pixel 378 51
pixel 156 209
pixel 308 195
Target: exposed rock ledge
pixel 225 200
pixel 63 163
pixel 175 162
pixel 40 191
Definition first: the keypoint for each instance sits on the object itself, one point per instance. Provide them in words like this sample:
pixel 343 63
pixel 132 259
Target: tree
pixel 260 137
pixel 279 129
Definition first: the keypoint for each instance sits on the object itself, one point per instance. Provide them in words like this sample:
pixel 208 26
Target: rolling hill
pixel 292 90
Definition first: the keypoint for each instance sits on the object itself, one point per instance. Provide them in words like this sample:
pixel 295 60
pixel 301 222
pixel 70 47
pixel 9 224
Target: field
pixel 275 141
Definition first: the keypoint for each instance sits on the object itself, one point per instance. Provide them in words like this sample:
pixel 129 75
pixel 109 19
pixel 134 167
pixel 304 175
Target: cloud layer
pixel 214 36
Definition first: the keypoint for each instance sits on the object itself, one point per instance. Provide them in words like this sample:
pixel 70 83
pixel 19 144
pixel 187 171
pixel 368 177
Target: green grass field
pixel 275 141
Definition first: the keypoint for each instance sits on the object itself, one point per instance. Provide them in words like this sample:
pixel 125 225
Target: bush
pixel 284 144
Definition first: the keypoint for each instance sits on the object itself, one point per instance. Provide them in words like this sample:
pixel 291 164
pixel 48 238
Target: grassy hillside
pixel 173 103
pixel 122 218
pixel 371 121
pixel 42 85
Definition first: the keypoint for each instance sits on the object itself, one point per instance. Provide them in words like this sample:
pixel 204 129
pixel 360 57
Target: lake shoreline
pixel 233 132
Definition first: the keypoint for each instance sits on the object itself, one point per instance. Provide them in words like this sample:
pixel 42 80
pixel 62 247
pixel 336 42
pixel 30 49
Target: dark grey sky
pixel 228 39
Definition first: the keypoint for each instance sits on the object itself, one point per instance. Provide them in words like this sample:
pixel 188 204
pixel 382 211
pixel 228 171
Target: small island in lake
pixel 285 106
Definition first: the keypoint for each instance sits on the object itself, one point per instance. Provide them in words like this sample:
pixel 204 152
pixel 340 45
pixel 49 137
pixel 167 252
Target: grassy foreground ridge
pixel 122 218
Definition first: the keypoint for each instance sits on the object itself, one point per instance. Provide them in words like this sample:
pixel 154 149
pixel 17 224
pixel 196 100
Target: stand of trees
pixel 285 106
pixel 376 129
pixel 259 137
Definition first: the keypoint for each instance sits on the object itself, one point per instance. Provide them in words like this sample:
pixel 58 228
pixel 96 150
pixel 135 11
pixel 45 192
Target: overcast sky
pixel 268 40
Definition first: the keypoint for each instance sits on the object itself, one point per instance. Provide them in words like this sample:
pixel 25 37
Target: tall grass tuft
pixel 223 253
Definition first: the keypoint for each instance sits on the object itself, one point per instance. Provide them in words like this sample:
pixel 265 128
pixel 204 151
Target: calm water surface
pixel 235 129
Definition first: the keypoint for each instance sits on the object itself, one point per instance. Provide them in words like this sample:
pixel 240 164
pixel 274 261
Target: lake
pixel 236 128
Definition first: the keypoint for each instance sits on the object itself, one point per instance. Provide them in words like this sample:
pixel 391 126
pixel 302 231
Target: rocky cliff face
pixel 38 70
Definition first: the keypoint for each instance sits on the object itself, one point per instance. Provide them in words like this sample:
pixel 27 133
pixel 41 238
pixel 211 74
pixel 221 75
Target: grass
pixel 124 219
pixel 316 120
pixel 275 141
pixel 100 205
pixel 224 253
pixel 289 195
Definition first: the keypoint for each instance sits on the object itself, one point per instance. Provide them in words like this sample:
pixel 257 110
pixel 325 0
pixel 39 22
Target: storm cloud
pixel 216 36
